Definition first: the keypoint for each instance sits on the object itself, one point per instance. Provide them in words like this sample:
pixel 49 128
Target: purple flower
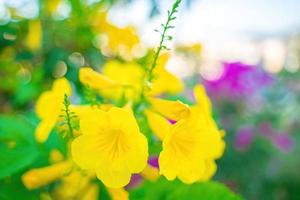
pixel 283 142
pixel 243 138
pixel 153 161
pixel 238 79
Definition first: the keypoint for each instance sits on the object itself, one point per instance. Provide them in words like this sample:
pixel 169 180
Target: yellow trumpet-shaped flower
pixel 192 145
pixel 49 106
pixel 158 124
pixel 34 36
pixel 117 80
pixel 129 75
pixel 116 40
pixel 76 185
pixel 112 145
pixel 164 81
pixel 36 178
pixel 202 99
pixel 91 192
pixel 95 80
pixel 174 110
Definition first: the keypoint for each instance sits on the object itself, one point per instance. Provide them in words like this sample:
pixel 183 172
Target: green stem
pixel 161 46
pixel 68 115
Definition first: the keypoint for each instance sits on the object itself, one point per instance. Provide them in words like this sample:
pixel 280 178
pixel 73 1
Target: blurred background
pixel 245 52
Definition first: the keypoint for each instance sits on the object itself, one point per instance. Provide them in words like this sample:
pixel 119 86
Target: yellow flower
pixel 112 145
pixel 36 178
pixel 129 75
pixel 55 156
pixel 192 145
pixel 174 110
pixel 117 80
pixel 192 49
pixel 95 80
pixel 157 123
pixel 48 108
pixel 76 185
pixel 34 36
pixel 115 40
pixel 164 81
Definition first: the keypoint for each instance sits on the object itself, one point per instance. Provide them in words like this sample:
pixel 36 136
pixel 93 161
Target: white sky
pixel 211 19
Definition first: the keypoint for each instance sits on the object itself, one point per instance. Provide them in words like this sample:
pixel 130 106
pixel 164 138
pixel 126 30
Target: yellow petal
pixel 95 80
pixel 91 192
pixel 61 87
pixel 129 75
pixel 36 178
pixel 174 110
pixel 43 130
pixel 212 139
pixel 43 108
pixel 123 118
pixel 165 82
pixel 202 99
pixel 192 172
pixel 34 36
pixel 55 156
pixel 92 120
pixel 113 178
pixel 159 125
pixel 210 170
pixel 150 173
pixel 118 193
pixel 85 152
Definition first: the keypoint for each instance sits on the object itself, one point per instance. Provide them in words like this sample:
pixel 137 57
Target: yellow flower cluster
pixel 114 40
pixel 49 107
pixel 127 79
pixel 110 143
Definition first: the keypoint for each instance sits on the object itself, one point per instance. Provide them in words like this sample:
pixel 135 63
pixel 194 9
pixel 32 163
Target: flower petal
pixel 84 151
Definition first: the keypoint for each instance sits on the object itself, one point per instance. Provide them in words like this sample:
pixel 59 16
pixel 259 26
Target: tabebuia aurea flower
pixel 49 106
pixel 112 145
pixel 192 144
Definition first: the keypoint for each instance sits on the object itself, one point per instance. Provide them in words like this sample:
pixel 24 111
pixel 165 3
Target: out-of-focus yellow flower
pixel 117 80
pixel 51 5
pixel 115 40
pixel 129 75
pixel 34 36
pixel 118 193
pixel 76 185
pixel 48 108
pixel 192 49
pixel 174 110
pixel 112 145
pixel 91 192
pixel 95 80
pixel 192 144
pixel 55 156
pixel 164 81
pixel 36 178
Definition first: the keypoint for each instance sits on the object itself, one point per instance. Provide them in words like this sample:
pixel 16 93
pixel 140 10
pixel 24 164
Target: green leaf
pixel 17 145
pixel 175 190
